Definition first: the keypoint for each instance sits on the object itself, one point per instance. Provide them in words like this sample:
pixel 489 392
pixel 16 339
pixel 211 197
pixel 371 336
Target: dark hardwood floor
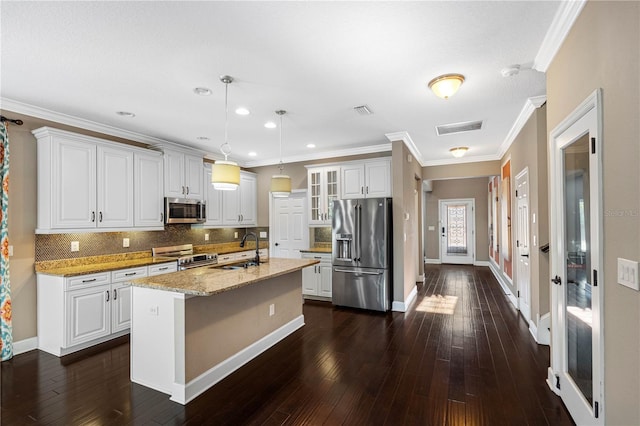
pixel 464 358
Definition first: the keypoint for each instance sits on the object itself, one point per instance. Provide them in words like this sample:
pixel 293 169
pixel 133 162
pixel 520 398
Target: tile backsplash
pixel 322 235
pixel 58 246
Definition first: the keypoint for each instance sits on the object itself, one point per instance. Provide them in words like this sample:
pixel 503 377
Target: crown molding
pixel 321 155
pixel 450 161
pixel 529 107
pixel 406 138
pixel 562 22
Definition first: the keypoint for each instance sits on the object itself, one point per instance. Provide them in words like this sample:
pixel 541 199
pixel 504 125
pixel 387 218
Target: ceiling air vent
pixel 362 110
pixel 468 126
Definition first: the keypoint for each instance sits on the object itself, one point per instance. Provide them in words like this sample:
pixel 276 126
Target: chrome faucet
pixel 244 238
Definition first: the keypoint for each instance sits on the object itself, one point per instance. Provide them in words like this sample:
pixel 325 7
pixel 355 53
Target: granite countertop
pixel 207 281
pixel 317 250
pixel 74 269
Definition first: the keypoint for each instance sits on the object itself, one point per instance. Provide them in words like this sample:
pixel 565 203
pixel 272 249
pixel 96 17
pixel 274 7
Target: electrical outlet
pixel 431 228
pixel 272 310
pixel 263 234
pixel 235 235
pixel 10 250
pixel 153 310
pixel 628 273
pixel 206 237
pixel 125 242
pixel 75 245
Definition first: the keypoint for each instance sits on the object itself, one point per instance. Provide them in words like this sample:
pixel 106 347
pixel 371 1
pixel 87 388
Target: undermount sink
pixel 235 266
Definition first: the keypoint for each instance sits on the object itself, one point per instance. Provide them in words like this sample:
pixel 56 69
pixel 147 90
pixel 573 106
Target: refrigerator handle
pixel 357 272
pixel 357 230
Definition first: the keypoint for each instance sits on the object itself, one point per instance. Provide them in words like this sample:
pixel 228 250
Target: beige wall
pixel 529 150
pixel 602 50
pixel 463 170
pixel 298 174
pixel 475 188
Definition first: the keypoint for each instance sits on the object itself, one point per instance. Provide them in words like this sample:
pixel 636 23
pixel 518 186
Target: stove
pixel 185 257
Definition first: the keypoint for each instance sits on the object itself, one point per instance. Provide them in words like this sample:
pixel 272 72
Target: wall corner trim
pixel 529 107
pixel 565 17
pixel 404 306
pixel 26 345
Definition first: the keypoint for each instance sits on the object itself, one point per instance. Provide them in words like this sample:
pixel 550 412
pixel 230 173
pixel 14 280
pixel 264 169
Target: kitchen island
pixel 190 329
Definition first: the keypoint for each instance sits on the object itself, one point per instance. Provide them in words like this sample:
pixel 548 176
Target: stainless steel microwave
pixel 183 210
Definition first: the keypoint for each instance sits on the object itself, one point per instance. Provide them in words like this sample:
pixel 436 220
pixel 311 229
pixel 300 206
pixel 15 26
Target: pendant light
pixel 280 183
pixel 225 174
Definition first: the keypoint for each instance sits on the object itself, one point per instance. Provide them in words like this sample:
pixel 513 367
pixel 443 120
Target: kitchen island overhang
pixel 191 329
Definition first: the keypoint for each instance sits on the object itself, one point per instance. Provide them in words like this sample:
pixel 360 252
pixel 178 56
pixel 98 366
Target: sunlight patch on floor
pixel 438 304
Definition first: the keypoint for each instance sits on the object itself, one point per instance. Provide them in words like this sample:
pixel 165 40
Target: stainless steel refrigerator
pixel 362 256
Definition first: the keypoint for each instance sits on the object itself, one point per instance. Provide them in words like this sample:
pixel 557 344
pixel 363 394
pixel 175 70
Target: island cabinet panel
pixel 88 314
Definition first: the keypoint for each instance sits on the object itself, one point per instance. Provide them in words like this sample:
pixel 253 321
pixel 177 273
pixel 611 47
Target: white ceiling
pixel 317 60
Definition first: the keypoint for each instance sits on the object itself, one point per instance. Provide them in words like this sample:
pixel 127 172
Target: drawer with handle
pixel 85 281
pixel 128 274
pixel 163 268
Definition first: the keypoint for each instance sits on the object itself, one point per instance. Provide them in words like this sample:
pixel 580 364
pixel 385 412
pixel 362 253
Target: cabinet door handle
pixel 100 216
pixel 93 216
pixel 128 274
pixel 115 294
pixel 317 257
pixel 89 281
pixel 161 217
pixel 107 295
pixel 187 190
pixel 163 269
pixel 183 190
pixel 367 189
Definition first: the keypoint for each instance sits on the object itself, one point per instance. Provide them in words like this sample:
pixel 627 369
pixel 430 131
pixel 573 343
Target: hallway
pixel 460 356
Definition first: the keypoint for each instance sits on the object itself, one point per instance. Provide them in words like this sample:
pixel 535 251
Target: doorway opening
pixel 457 231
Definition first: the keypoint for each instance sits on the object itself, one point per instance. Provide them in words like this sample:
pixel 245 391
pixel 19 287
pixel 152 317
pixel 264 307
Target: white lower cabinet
pixel 81 311
pixel 316 279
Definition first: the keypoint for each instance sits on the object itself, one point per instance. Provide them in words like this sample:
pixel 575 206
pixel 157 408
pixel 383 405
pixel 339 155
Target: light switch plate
pixel 628 273
pixel 206 237
pixel 75 245
pixel 125 242
pixel 10 250
pixel 235 235
pixel 431 228
pixel 263 234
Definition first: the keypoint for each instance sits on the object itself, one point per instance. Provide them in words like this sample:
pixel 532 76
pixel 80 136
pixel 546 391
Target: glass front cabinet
pixel 324 189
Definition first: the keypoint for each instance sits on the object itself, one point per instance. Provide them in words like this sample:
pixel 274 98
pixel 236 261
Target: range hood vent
pixel 362 110
pixel 467 126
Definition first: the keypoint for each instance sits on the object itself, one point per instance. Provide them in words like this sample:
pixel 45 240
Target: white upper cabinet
pixel 183 175
pixel 115 187
pixel 240 207
pixel 213 199
pixel 91 184
pixel 148 190
pixel 323 188
pixel 367 179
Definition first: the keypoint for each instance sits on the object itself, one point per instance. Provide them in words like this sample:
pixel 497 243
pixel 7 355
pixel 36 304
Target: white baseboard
pixel 533 329
pixel 184 393
pixel 481 263
pixel 544 332
pixel 432 261
pixel 26 345
pixel 551 381
pixel 501 280
pixel 404 306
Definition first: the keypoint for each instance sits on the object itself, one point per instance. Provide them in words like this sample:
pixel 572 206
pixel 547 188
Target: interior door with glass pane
pixel 457 234
pixel 576 264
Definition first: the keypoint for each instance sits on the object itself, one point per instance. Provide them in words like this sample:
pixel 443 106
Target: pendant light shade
pixel 280 183
pixel 225 174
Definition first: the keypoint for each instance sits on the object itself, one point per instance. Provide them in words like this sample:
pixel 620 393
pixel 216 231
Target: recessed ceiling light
pixel 202 138
pixel 242 111
pixel 202 91
pixel 270 125
pixel 252 154
pixel 311 145
pixel 125 114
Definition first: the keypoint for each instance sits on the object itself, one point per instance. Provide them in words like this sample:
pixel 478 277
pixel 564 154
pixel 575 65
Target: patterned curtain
pixel 6 344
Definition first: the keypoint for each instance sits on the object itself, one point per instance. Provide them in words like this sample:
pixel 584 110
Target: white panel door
pixel 522 244
pixel 352 178
pixel 74 184
pixel 174 186
pixel 88 314
pixel 290 231
pixel 120 307
pixel 213 199
pixel 148 190
pixel 378 178
pixel 115 187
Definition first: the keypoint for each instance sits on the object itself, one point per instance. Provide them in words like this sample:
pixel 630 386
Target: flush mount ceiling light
pixel 311 145
pixel 202 91
pixel 446 85
pixel 252 154
pixel 281 183
pixel 125 114
pixel 459 151
pixel 225 174
pixel 242 111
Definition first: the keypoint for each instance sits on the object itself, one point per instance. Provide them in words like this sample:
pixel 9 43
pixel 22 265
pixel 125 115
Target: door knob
pixel 277 244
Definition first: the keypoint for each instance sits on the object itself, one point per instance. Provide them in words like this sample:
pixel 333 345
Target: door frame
pixel 523 172
pixel 472 201
pixel 559 137
pixel 295 193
